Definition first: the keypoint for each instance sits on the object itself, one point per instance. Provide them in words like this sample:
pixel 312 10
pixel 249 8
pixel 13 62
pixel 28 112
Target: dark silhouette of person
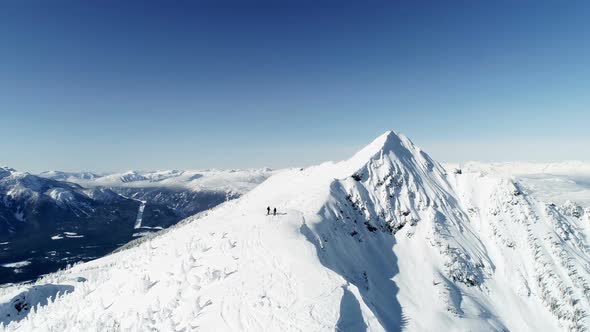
pixel 274 212
pixel 268 210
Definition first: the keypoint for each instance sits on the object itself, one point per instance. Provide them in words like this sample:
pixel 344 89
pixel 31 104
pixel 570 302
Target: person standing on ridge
pixel 268 210
pixel 274 212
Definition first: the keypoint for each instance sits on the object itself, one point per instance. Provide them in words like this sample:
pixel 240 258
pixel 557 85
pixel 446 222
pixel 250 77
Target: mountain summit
pixel 389 142
pixel 384 241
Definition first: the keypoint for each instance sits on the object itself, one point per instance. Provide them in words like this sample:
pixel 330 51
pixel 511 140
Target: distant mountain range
pixel 56 218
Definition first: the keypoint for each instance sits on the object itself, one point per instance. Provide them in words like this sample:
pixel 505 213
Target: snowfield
pixel 385 241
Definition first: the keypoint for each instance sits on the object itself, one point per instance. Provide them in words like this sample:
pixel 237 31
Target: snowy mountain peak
pixel 389 142
pixel 394 153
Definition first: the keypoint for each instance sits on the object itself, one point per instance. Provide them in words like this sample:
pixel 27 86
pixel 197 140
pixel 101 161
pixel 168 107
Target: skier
pixel 274 212
pixel 268 210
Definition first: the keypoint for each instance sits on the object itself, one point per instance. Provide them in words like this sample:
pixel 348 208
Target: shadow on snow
pixel 19 306
pixel 366 260
pixel 351 317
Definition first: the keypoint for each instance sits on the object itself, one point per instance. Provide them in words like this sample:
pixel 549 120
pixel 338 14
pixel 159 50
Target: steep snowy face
pixel 384 241
pixel 391 207
pixel 400 186
pixel 540 251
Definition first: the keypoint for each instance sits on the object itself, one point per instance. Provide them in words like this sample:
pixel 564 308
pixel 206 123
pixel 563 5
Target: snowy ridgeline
pixel 385 241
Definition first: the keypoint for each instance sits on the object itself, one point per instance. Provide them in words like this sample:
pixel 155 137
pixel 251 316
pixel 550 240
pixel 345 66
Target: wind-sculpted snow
pixel 384 241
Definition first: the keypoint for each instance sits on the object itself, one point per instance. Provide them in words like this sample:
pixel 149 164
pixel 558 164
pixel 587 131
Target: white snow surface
pixel 385 241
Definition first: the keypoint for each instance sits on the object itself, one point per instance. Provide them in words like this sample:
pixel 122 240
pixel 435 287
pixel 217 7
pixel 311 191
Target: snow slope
pixel 384 241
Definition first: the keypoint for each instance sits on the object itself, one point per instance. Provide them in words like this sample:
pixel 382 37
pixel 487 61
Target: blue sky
pixel 115 85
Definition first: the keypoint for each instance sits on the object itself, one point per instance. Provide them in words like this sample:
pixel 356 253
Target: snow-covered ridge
pixel 385 241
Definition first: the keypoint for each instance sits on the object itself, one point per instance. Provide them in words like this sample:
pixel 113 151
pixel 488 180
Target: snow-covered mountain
pixel 46 224
pixel 27 201
pixel 385 241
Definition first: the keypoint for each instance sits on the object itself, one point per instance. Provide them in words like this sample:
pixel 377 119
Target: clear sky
pixel 115 85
